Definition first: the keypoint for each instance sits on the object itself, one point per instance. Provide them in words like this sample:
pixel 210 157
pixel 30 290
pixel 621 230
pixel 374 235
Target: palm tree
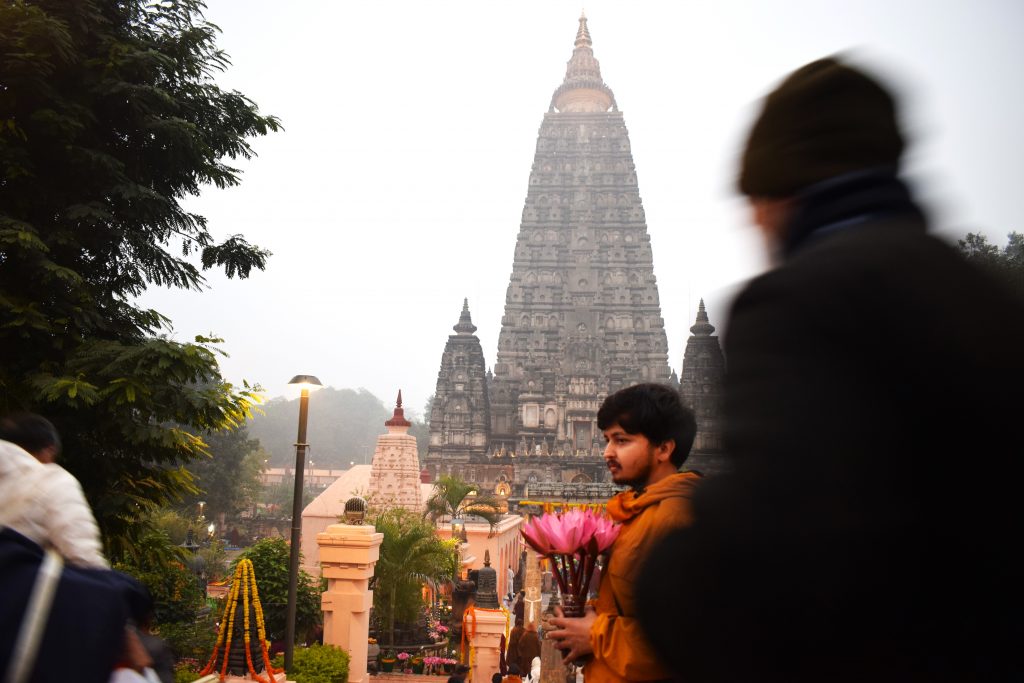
pixel 452 497
pixel 411 554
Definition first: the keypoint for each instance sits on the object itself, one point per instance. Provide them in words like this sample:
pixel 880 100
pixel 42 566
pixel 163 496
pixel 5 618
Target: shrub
pixel 270 560
pixel 317 664
pixel 191 640
pixel 175 590
pixel 186 671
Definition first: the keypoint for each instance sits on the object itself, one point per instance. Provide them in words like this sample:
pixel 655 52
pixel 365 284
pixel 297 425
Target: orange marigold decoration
pixel 468 652
pixel 244 584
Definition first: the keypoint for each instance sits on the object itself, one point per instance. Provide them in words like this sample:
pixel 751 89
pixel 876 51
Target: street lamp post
pixel 306 382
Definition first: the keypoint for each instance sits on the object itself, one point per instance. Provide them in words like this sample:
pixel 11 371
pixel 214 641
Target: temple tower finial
pixel 583 89
pixel 398 418
pixel 702 328
pixel 465 324
pixel 583 34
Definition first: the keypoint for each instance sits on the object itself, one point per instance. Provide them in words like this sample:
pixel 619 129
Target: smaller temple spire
pixel 398 419
pixel 702 328
pixel 465 324
pixel 583 34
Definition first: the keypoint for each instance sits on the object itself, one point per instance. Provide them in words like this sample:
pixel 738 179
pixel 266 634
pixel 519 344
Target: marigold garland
pixel 468 653
pixel 244 581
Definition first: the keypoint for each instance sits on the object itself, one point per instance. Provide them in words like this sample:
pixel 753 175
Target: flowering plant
pixel 572 540
pixel 403 656
pixel 442 629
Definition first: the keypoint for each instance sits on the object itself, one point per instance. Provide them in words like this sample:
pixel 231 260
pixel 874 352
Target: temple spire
pixel 702 328
pixel 465 324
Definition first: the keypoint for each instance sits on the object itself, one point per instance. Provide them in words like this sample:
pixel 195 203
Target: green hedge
pixel 317 664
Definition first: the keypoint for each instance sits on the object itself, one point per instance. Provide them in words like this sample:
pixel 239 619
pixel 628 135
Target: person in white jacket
pixel 40 499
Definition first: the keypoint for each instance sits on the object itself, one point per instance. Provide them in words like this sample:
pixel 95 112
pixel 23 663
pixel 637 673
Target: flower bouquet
pixel 572 541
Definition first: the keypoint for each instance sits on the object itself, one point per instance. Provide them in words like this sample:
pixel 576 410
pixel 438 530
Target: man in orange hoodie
pixel 649 433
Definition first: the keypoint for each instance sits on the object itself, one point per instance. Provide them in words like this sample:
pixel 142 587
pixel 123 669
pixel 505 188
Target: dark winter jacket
pixel 872 407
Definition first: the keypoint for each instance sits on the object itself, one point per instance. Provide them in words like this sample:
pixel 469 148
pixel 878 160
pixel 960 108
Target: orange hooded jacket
pixel 620 649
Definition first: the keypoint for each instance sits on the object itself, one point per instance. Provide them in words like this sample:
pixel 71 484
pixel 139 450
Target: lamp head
pixel 305 382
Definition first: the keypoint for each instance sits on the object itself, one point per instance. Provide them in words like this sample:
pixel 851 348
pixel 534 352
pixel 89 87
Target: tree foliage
pixel 109 118
pixel 279 497
pixel 228 480
pixel 453 497
pixel 410 554
pixel 161 566
pixel 270 560
pixel 343 427
pixel 1006 263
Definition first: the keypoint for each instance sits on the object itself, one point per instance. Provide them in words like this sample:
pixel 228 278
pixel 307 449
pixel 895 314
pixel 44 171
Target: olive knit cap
pixel 824 120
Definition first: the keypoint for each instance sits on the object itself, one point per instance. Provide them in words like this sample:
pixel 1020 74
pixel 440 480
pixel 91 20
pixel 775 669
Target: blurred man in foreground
pixel 872 405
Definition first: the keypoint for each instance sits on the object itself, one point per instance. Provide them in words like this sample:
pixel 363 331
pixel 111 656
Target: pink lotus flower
pixel 572 540
pixel 569 533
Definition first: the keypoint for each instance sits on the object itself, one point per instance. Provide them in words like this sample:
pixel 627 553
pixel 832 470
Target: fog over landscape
pixel 397 187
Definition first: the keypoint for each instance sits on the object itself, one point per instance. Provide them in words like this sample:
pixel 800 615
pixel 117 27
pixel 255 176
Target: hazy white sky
pixel 398 185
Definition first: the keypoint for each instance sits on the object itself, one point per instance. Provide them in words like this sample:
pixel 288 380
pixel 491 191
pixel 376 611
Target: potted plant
pixel 403 659
pixel 387 661
pixel 417 664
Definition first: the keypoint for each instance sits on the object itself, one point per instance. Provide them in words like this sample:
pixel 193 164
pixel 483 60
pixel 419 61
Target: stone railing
pixel 598 491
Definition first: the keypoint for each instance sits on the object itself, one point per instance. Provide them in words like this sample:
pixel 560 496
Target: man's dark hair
pixel 654 410
pixel 496 678
pixel 30 431
pixel 462 669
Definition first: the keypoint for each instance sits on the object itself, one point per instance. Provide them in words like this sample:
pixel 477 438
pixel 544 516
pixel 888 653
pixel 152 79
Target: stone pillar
pixel 551 668
pixel 485 640
pixel 348 554
pixel 532 608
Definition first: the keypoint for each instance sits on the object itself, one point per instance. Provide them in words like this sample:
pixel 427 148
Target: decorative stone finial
pixel 702 328
pixel 355 510
pixel 583 89
pixel 398 419
pixel 583 34
pixel 465 324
